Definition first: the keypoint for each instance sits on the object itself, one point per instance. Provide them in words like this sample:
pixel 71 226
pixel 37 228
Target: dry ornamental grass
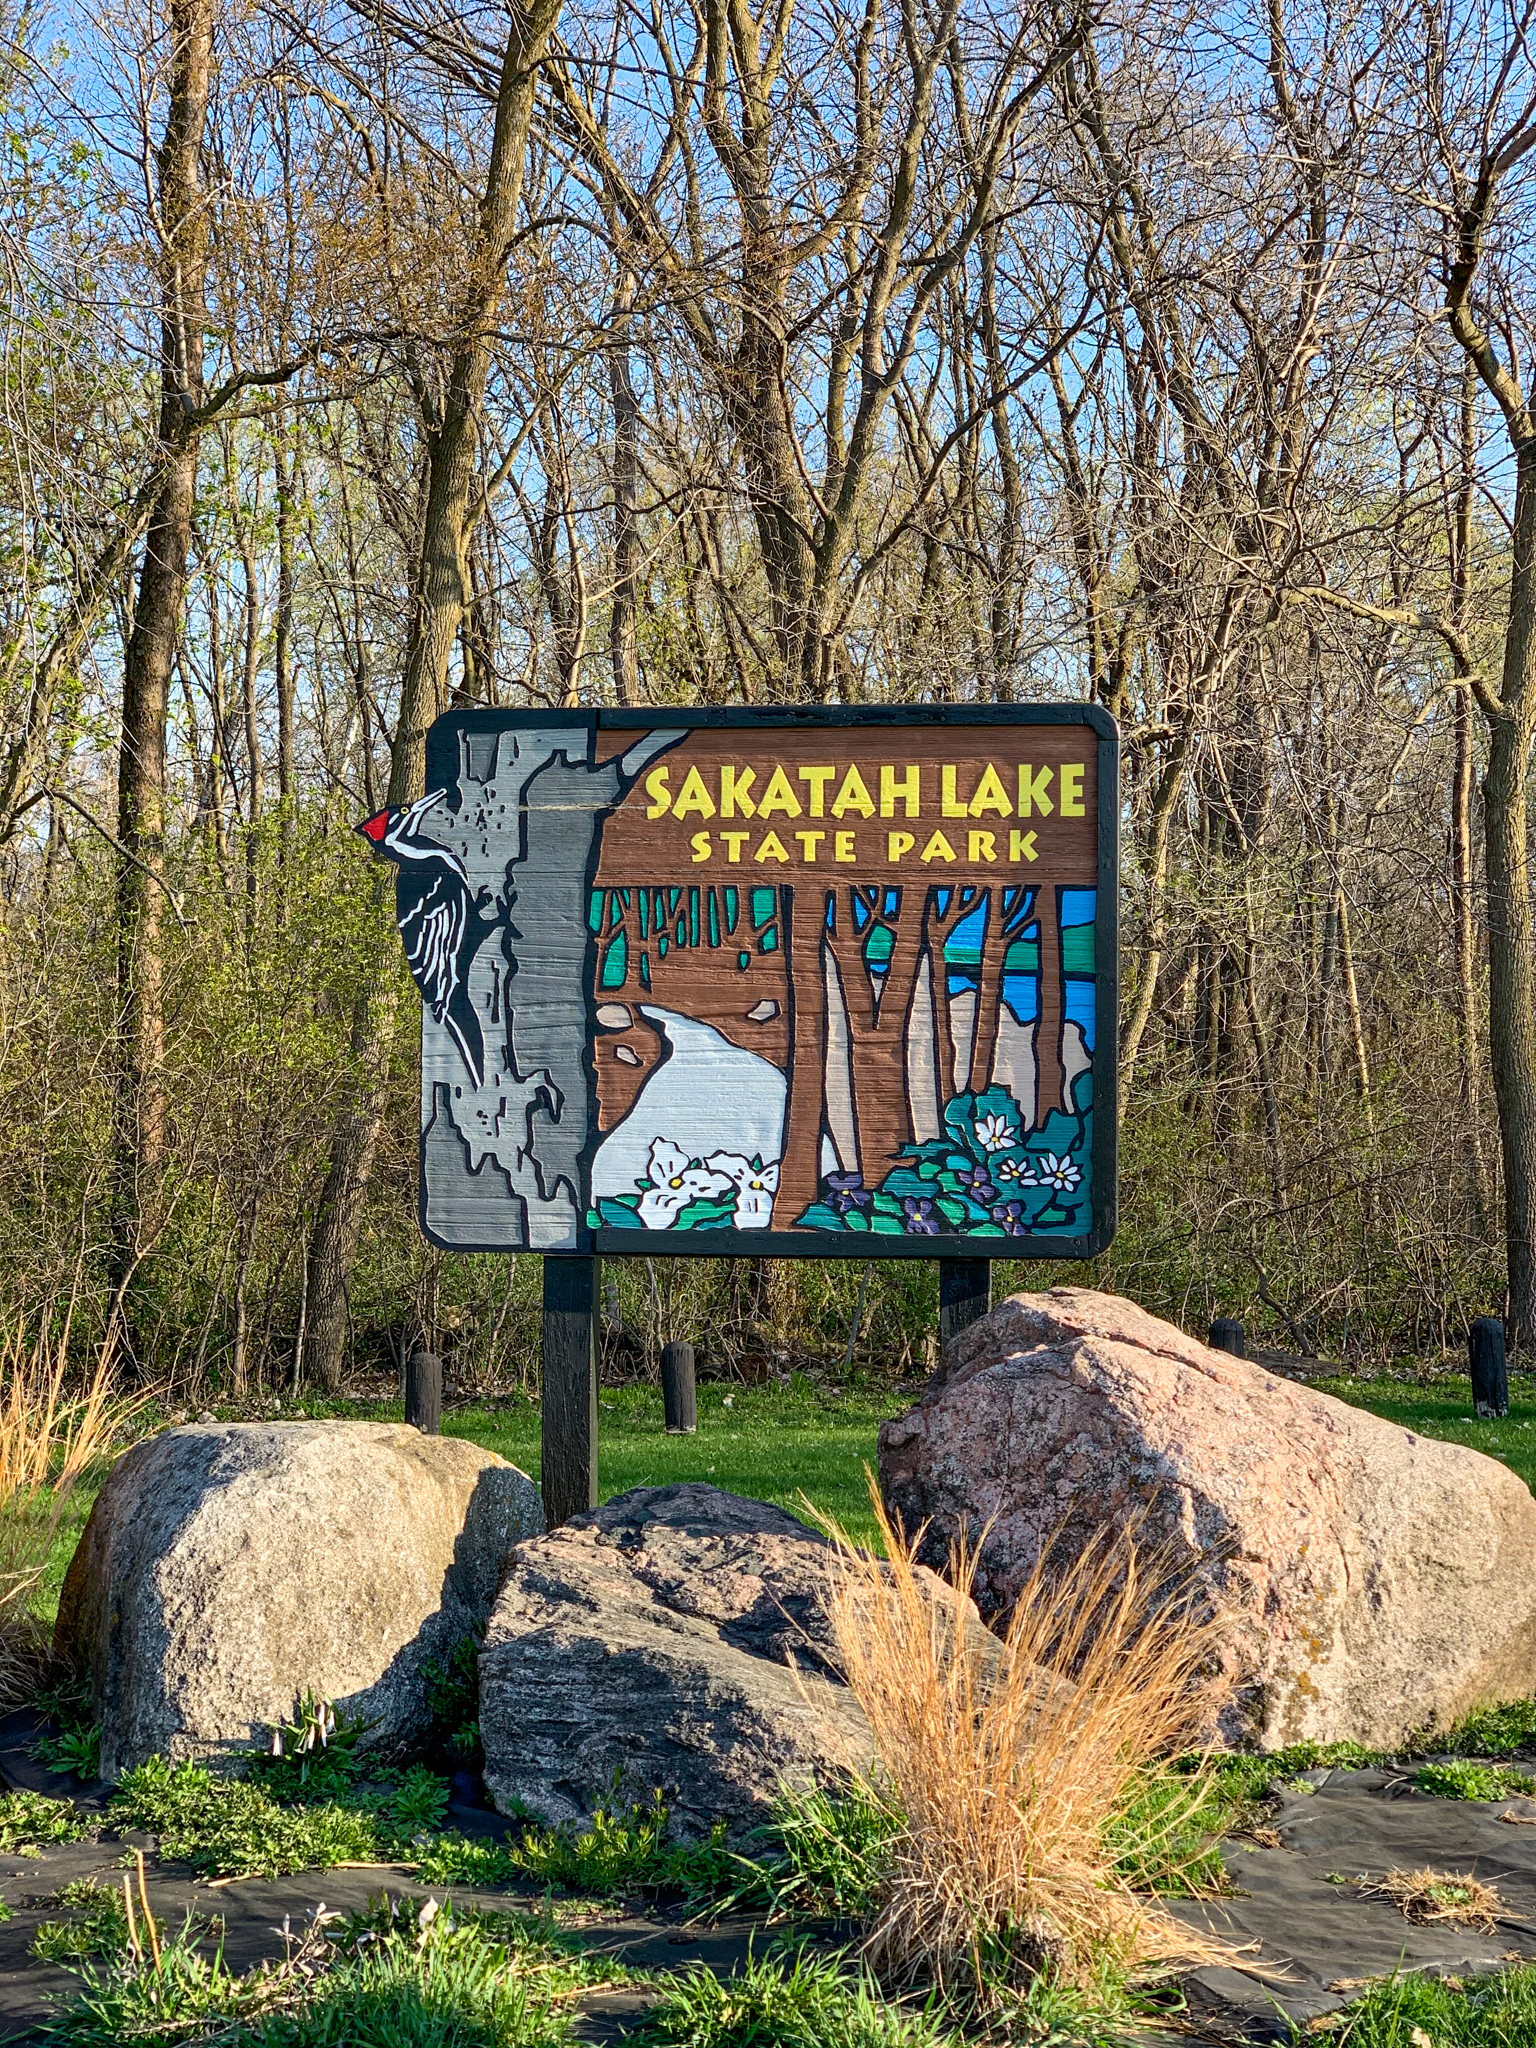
pixel 1010 1763
pixel 48 1440
pixel 1438 1897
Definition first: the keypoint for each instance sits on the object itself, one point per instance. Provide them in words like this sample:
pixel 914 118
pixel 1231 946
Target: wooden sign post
pixel 802 983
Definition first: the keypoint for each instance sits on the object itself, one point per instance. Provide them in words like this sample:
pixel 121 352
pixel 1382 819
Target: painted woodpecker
pixel 439 919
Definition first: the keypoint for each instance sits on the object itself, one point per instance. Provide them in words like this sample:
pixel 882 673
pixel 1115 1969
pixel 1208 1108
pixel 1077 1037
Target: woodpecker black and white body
pixel 440 919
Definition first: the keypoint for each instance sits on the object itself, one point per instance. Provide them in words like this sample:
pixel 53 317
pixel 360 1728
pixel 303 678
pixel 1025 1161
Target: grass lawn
pixel 1444 1410
pixel 771 1443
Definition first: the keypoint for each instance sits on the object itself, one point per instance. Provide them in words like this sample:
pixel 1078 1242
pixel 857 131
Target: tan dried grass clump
pixel 1011 1762
pixel 49 1439
pixel 1438 1897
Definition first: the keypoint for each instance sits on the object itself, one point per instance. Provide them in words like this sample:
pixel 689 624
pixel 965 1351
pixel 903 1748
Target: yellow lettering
pixel 1072 790
pixel 734 842
pixel 701 847
pixel 853 796
pixel 736 792
pixel 1021 845
pixel 952 806
pixel 898 843
pixel 660 796
pixel 990 795
pixel 1034 791
pixel 809 842
pixel 778 796
pixel 693 799
pixel 938 848
pixel 842 846
pixel 818 778
pixel 983 846
pixel 772 848
pixel 909 789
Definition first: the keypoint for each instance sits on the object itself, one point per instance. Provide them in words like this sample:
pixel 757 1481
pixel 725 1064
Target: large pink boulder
pixel 1374 1581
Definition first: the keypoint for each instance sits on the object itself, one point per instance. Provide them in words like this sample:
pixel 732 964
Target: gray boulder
pixel 228 1568
pixel 674 1641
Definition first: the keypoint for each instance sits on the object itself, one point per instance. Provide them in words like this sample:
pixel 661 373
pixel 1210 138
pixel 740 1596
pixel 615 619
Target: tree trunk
pixel 1511 1007
pixel 282 636
pixel 441 600
pixel 140 1118
pixel 626 499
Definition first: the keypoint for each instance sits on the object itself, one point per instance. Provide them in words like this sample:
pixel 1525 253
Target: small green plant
pixel 625 1851
pixel 97 1924
pixel 791 1999
pixel 1463 1779
pixel 29 1821
pixel 1493 1731
pixel 230 1827
pixel 418 1805
pixel 313 1756
pixel 76 1748
pixel 452 1858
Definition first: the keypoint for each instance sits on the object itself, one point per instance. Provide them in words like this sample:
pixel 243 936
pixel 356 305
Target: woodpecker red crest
pixel 439 918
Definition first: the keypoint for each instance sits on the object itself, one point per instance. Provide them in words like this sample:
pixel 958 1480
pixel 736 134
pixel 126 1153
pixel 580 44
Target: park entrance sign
pixel 803 983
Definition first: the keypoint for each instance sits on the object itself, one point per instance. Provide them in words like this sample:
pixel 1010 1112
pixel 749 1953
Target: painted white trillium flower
pixel 675 1182
pixel 994 1133
pixel 755 1187
pixel 1056 1173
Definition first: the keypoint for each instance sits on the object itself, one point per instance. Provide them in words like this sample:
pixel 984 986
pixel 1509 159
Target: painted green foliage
pixel 988 1175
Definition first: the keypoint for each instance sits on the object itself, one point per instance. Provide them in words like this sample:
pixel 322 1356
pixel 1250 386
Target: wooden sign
pixel 806 983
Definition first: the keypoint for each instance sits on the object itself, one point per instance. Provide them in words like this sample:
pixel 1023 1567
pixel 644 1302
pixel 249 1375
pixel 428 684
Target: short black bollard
pixel 424 1392
pixel 1227 1335
pixel 1490 1381
pixel 679 1393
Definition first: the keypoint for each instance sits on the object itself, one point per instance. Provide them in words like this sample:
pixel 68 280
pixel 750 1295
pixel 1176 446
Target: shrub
pixel 1013 1770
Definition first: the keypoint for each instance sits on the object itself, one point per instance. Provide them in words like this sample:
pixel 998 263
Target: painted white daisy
pixel 994 1133
pixel 1013 1173
pixel 675 1182
pixel 1060 1173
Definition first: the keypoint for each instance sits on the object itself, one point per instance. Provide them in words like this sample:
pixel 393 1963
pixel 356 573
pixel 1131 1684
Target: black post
pixel 1490 1381
pixel 1227 1334
pixel 424 1392
pixel 679 1392
pixel 965 1294
pixel 569 1433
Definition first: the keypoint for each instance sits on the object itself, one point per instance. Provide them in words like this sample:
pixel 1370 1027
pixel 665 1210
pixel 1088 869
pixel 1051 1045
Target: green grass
pixel 771 1443
pixel 790 2000
pixel 401 1975
pixel 1407 2011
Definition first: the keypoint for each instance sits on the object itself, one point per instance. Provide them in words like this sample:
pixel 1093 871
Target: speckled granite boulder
pixel 228 1568
pixel 676 1640
pixel 1374 1581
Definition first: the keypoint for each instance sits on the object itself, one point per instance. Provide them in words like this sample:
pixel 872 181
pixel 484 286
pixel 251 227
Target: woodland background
pixel 359 360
